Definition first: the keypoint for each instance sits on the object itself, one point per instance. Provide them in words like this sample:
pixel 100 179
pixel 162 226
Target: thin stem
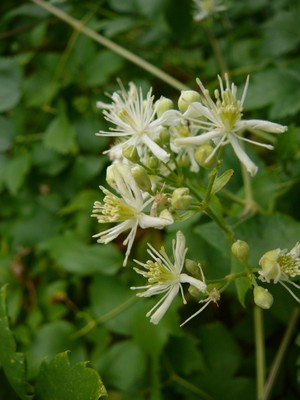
pixel 106 317
pixel 78 25
pixel 217 51
pixel 281 352
pixel 260 352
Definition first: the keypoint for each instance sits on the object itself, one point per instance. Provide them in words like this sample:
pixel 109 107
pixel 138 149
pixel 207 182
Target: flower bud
pixel 193 291
pixel 164 136
pixel 240 249
pixel 152 163
pixel 262 297
pixel 181 199
pixel 141 177
pixel 130 152
pixel 110 176
pixel 192 268
pixel 202 154
pixel 186 98
pixel 163 104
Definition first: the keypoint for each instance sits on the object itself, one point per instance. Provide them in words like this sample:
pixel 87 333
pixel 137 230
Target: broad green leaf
pixel 123 365
pixel 16 171
pixel 12 362
pixel 60 380
pixel 10 84
pixel 79 258
pixel 60 135
pixel 50 339
pixel 222 180
pixel 103 65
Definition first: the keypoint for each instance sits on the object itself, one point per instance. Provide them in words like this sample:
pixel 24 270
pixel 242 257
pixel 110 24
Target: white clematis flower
pixel 128 210
pixel 166 277
pixel 280 265
pixel 135 120
pixel 221 122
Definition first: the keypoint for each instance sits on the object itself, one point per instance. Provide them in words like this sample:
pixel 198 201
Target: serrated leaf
pixel 13 363
pixel 16 171
pixel 59 380
pixel 82 259
pixel 10 83
pixel 60 135
pixel 222 180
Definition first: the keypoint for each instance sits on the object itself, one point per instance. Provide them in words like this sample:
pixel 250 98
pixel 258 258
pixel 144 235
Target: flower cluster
pixel 158 177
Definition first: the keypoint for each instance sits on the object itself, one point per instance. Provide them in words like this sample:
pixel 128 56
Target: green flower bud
pixel 141 177
pixel 186 98
pixel 181 199
pixel 152 163
pixel 164 136
pixel 163 105
pixel 262 297
pixel 130 152
pixel 110 176
pixel 202 153
pixel 192 268
pixel 193 291
pixel 240 249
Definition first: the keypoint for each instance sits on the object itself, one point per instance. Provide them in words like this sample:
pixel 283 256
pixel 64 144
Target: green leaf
pixel 123 365
pixel 60 135
pixel 82 259
pixel 59 380
pixel 16 171
pixel 12 362
pixel 104 64
pixel 10 84
pixel 222 180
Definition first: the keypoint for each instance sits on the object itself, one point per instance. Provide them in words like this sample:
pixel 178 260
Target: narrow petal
pixel 200 139
pixel 147 221
pixel 160 312
pixel 243 157
pixel 261 125
pixel 159 152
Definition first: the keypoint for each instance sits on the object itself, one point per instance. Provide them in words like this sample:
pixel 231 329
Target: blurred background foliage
pixel 67 293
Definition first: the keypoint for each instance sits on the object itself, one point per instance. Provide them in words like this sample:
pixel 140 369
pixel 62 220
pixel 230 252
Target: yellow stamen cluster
pixel 157 273
pixel 289 265
pixel 229 108
pixel 113 209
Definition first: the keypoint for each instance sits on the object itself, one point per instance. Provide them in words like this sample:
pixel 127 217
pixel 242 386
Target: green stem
pixel 260 352
pixel 79 26
pixel 217 51
pixel 281 352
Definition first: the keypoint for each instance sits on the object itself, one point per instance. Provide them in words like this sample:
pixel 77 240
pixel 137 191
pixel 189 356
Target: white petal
pixel 147 221
pixel 160 312
pixel 243 157
pixel 261 125
pixel 200 139
pixel 160 153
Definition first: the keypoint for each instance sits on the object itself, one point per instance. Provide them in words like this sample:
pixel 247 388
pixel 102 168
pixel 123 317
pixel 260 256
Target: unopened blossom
pixel 279 266
pixel 221 122
pixel 127 209
pixel 166 277
pixel 135 122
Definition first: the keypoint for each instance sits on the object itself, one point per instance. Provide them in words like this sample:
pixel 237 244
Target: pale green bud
pixel 181 198
pixel 192 268
pixel 130 152
pixel 240 249
pixel 193 291
pixel 164 136
pixel 141 177
pixel 202 153
pixel 186 98
pixel 163 104
pixel 110 176
pixel 152 163
pixel 262 297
